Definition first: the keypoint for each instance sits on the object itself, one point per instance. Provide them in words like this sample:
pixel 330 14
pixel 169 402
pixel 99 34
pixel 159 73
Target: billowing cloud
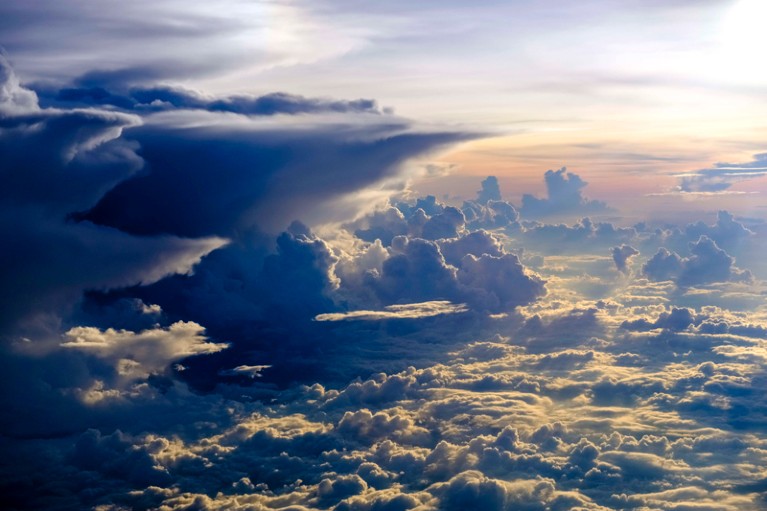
pixel 54 163
pixel 490 190
pixel 141 352
pixel 707 263
pixel 563 190
pixel 211 173
pixel 417 270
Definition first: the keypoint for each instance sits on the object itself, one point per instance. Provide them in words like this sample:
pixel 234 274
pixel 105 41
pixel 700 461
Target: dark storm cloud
pixel 563 190
pixel 230 174
pixel 56 162
pixel 90 91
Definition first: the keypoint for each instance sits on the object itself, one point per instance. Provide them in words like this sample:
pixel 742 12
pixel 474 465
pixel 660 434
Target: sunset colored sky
pixel 626 93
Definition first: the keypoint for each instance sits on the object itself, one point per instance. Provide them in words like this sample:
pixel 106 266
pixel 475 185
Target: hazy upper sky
pixel 628 93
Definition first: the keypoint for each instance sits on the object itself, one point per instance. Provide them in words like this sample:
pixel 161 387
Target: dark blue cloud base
pixel 172 339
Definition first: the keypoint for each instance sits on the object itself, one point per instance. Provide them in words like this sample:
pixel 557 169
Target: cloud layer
pixel 173 340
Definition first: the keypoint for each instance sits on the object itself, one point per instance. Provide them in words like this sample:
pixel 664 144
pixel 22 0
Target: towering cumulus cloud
pixel 564 197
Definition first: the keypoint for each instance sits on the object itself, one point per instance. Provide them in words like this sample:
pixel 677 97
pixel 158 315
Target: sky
pixel 383 256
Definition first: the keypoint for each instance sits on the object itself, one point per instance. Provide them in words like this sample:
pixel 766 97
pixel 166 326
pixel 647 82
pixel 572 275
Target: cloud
pixel 563 190
pixel 582 236
pixel 213 173
pixel 14 99
pixel 706 264
pixel 490 190
pixel 475 243
pixel 726 231
pixel 145 352
pixel 404 311
pixel 722 176
pixel 621 255
pixel 55 162
pixel 489 215
pixel 163 98
pixel 167 40
pixel 381 225
pixel 417 271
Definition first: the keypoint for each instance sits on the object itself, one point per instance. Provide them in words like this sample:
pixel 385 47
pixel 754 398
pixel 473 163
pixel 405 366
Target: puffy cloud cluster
pixel 497 426
pixel 707 263
pixel 416 271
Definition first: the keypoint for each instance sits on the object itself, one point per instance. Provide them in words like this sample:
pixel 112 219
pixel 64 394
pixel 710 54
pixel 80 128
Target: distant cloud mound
pixel 490 190
pixel 489 210
pixel 707 264
pixel 726 232
pixel 563 197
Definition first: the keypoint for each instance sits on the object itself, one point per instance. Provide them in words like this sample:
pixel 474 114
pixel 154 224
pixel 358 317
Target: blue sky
pixel 382 256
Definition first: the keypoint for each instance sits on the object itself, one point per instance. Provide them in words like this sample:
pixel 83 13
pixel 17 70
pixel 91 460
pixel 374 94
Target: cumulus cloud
pixel 417 270
pixel 14 99
pixel 707 263
pixel 490 190
pixel 142 352
pixel 726 231
pixel 621 255
pixel 563 190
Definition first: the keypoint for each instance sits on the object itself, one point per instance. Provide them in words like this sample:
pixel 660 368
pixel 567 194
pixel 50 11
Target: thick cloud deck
pixel 168 343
